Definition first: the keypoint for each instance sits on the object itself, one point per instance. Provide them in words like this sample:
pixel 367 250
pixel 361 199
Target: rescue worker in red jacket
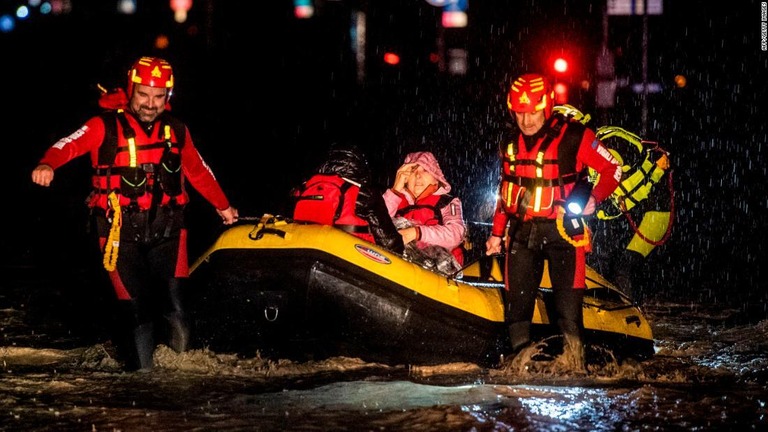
pixel 143 158
pixel 543 158
pixel 420 196
pixel 340 193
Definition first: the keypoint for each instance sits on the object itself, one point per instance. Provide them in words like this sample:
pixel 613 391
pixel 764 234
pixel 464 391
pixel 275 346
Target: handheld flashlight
pixel 579 196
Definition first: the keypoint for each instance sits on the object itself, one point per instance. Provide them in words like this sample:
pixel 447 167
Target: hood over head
pixel 428 161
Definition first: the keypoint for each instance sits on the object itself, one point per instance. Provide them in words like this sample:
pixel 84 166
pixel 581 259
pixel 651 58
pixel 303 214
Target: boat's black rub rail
pixel 376 319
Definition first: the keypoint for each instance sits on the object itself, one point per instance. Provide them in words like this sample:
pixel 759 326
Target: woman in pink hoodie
pixel 429 219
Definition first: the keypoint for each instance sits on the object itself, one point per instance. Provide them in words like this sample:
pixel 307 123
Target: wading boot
pixel 573 346
pixel 519 336
pixel 178 339
pixel 145 346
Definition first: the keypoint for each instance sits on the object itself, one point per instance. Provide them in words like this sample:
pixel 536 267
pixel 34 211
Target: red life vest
pixel 536 177
pixel 428 211
pixel 329 199
pixel 148 175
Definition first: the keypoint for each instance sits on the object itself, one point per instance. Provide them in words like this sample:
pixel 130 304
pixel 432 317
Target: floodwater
pixel 710 372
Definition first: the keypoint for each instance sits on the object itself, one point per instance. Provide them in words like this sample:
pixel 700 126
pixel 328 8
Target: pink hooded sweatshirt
pixel 451 233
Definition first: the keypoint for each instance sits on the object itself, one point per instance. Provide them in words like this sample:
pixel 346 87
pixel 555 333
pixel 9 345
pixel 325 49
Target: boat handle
pixel 271 308
pixel 260 233
pixel 633 319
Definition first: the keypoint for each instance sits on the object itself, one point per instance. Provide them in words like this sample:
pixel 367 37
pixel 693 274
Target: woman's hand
pixel 402 176
pixel 409 234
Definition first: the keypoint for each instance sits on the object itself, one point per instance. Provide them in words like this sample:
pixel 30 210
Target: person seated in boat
pixel 340 193
pixel 429 219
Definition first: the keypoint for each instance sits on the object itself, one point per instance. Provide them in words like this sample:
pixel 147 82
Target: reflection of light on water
pixel 562 409
pixel 384 396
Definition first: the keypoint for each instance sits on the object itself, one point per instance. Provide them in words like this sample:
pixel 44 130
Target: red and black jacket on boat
pixel 358 208
pixel 331 199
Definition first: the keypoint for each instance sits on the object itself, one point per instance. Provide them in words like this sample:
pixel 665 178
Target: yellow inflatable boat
pixel 300 291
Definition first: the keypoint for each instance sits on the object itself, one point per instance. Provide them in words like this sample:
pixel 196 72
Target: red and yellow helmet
pixel 152 72
pixel 530 93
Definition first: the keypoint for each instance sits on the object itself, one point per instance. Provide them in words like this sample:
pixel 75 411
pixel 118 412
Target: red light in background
pixel 391 58
pixel 560 65
pixel 303 9
pixel 162 42
pixel 181 5
pixel 180 9
pixel 680 81
pixel 454 19
pixel 561 93
pixel 562 77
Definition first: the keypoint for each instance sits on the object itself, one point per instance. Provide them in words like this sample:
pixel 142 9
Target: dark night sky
pixel 262 91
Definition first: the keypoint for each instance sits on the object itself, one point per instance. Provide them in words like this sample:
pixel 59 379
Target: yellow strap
pixel 573 112
pixel 561 229
pixel 113 241
pixel 539 174
pixel 605 132
pixel 131 148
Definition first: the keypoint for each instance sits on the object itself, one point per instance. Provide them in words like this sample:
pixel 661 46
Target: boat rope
pixel 113 240
pixel 248 218
pixel 561 229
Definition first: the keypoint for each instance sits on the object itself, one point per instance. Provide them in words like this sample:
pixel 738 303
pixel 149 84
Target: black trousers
pixel 534 243
pixel 148 278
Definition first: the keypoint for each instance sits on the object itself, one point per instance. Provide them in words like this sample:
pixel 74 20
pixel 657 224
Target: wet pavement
pixel 710 372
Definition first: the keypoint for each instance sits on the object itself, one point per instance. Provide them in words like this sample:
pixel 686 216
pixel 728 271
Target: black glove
pixel 371 207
